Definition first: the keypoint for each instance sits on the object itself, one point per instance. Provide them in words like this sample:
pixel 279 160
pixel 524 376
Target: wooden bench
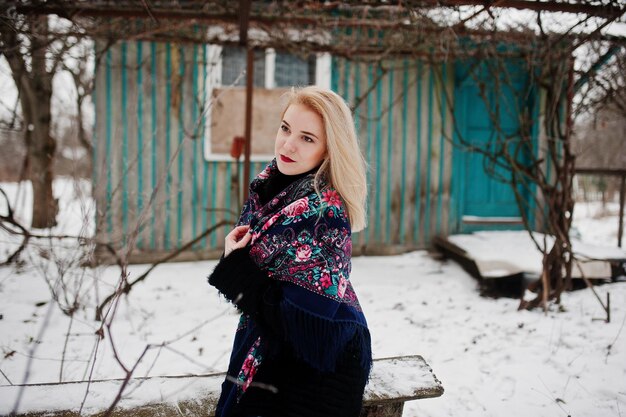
pixel 393 382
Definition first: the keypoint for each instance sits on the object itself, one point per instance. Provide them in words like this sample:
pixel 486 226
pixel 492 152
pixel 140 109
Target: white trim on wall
pixel 323 68
pixel 214 79
pixel 270 68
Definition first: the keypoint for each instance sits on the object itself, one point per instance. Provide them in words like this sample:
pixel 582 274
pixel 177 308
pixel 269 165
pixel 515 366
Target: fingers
pixel 244 240
pixel 243 229
pixel 240 230
pixel 236 239
pixel 237 233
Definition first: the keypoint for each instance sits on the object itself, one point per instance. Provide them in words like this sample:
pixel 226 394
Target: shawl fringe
pixel 320 341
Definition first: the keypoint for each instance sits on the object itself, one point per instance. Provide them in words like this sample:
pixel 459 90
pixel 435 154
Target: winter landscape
pixel 146 116
pixel 492 359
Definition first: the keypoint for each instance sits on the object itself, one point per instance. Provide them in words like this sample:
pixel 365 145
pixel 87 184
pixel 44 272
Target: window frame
pixel 323 69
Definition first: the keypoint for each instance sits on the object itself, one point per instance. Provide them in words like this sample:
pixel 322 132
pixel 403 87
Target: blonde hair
pixel 344 167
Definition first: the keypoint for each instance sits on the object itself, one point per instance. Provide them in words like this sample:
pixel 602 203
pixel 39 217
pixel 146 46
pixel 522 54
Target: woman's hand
pixel 238 238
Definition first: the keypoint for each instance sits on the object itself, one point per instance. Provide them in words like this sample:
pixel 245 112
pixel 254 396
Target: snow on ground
pixel 598 223
pixel 492 359
pixel 517 253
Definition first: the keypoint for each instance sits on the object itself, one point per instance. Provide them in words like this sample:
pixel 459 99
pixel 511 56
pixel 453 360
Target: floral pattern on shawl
pixel 249 368
pixel 302 237
pixel 244 321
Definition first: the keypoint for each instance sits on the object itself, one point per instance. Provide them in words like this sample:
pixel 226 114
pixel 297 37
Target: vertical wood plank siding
pixel 151 177
pixel 150 174
pixel 404 124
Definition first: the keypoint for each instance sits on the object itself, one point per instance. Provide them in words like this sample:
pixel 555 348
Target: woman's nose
pixel 290 145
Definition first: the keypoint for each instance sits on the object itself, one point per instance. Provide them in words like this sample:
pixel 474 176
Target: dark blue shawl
pixel 303 239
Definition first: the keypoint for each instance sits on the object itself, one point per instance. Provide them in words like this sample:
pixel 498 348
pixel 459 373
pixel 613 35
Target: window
pixel 274 73
pixel 234 62
pixel 293 70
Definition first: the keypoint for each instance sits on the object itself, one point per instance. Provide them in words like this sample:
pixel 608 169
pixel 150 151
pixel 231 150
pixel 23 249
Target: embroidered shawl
pixel 303 238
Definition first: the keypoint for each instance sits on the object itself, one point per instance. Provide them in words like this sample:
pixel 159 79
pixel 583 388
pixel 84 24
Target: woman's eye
pixel 284 128
pixel 307 139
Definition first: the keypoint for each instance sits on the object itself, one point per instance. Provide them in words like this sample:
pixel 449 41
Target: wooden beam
pixel 248 125
pixel 596 66
pixel 94 9
pixel 601 171
pixel 321 18
pixel 410 377
pixel 608 10
pixel 244 20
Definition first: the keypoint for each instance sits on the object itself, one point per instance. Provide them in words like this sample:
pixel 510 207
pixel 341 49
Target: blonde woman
pixel 302 347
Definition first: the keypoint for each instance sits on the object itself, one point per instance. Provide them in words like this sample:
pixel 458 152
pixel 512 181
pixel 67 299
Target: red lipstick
pixel 286 159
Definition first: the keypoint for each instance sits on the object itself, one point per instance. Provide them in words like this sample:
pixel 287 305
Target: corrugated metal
pixel 404 124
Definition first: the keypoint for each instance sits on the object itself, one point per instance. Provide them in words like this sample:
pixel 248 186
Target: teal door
pixel 485 199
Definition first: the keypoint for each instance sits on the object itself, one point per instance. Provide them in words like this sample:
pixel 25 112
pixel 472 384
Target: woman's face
pixel 300 142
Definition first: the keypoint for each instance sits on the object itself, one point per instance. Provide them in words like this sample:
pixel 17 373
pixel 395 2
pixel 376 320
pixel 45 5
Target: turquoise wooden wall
pixel 403 118
pixel 149 130
pixel 149 136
